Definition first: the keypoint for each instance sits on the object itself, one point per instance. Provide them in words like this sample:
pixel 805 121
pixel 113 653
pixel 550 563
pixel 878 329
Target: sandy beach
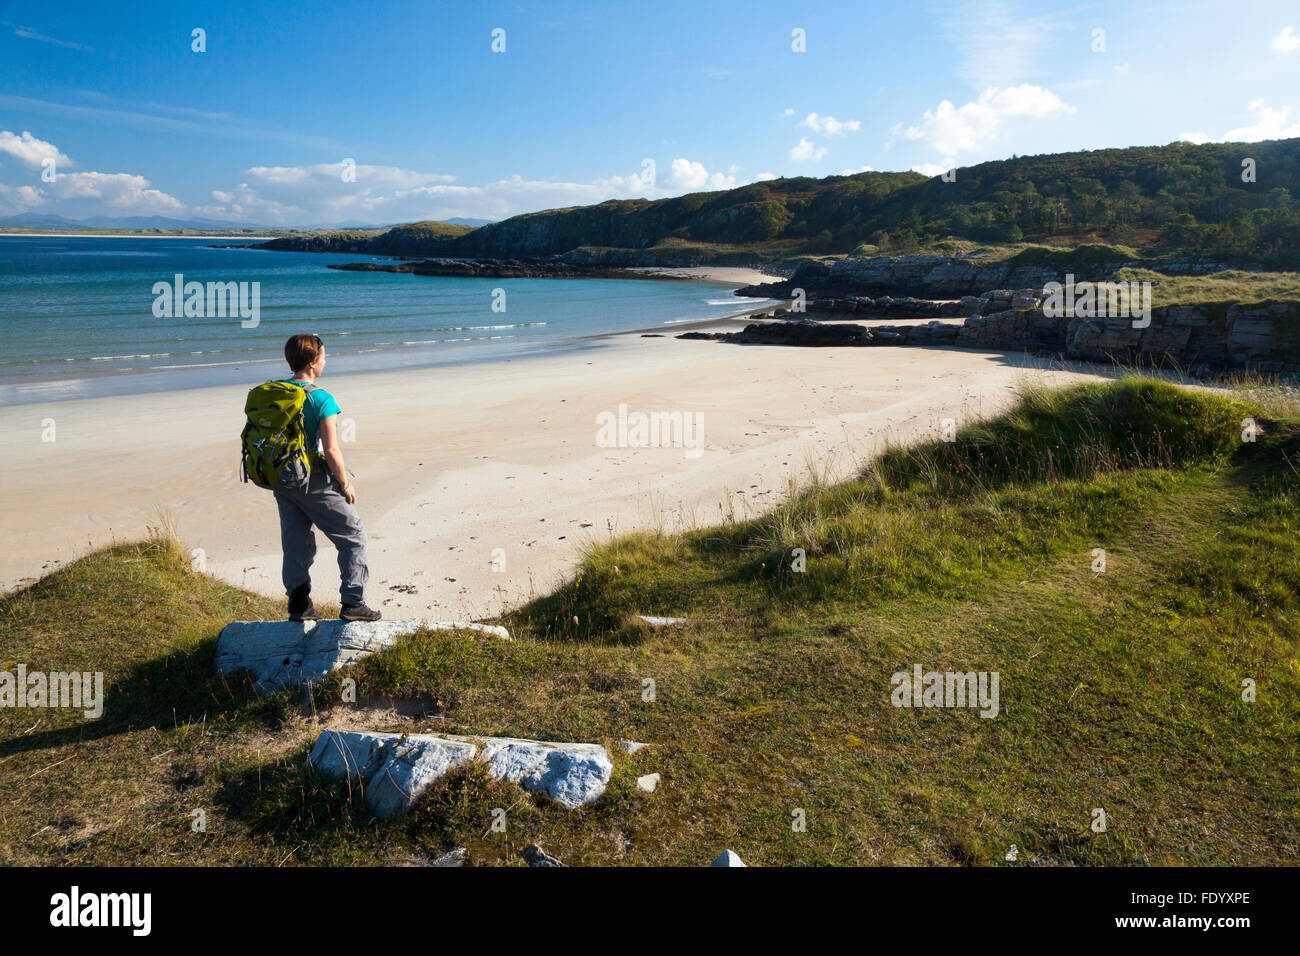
pixel 452 464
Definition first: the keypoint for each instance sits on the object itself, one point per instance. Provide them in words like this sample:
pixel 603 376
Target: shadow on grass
pixel 325 821
pixel 300 810
pixel 166 692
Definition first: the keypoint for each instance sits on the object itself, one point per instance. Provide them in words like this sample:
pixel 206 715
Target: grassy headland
pixel 1177 197
pixel 1121 689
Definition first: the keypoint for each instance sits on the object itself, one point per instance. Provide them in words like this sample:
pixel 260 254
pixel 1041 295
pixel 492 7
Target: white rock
pixel 572 774
pixel 396 769
pixel 355 755
pixel 661 621
pixel 648 782
pixel 631 746
pixel 727 858
pixel 285 653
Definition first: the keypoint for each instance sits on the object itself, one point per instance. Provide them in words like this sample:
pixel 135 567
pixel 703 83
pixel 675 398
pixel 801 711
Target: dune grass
pixel 1121 688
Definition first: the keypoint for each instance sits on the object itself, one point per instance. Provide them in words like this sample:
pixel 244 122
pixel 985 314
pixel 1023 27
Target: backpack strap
pixel 313 456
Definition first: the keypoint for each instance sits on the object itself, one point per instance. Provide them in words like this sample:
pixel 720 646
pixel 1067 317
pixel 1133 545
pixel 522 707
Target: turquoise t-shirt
pixel 319 406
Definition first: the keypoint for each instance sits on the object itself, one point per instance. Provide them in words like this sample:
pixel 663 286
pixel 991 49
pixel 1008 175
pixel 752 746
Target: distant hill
pixel 34 221
pixel 1181 195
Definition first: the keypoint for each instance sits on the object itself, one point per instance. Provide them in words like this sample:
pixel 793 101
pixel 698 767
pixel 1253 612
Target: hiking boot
pixel 300 606
pixel 358 612
pixel 310 614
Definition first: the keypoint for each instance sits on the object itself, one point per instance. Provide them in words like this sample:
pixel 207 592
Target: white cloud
pixel 685 176
pixel 316 195
pixel 1285 42
pixel 930 169
pixel 860 169
pixel 79 193
pixel 951 129
pixel 1123 68
pixel 789 111
pixel 90 193
pixel 27 33
pixel 997 44
pixel 829 125
pixel 805 149
pixel 764 177
pixel 1269 124
pixel 320 194
pixel 30 151
pixel 20 197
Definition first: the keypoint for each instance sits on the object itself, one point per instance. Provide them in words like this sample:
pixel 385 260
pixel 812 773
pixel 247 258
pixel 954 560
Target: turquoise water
pixel 77 315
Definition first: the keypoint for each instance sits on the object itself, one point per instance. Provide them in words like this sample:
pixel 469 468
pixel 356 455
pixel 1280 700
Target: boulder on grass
pixel 289 653
pixel 395 769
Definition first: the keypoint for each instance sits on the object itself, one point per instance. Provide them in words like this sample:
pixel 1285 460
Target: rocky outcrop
pixel 553 267
pixel 395 769
pixel 807 332
pixel 288 653
pixel 803 332
pixel 1262 337
pixel 1209 338
pixel 950 277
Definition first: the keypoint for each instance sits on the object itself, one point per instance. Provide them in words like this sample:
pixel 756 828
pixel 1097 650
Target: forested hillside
pixel 1178 196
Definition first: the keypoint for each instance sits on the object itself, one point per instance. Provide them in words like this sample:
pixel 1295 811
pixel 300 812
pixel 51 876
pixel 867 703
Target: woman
pixel 328 501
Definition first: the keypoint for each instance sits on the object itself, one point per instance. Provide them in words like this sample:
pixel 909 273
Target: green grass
pixel 1231 286
pixel 1120 690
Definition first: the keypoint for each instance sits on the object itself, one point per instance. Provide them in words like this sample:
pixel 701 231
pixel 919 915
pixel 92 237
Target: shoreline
pixel 453 463
pixel 120 235
pixel 174 378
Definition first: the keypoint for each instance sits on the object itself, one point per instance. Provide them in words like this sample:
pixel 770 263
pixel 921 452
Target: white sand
pixel 451 463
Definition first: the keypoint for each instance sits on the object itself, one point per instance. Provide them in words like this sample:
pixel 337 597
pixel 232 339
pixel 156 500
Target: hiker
pixel 291 445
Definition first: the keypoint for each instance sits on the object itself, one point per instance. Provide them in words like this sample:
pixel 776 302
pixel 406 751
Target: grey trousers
pixel 324 506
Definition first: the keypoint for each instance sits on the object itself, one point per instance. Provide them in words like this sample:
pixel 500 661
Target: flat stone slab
pixel 289 653
pixel 395 769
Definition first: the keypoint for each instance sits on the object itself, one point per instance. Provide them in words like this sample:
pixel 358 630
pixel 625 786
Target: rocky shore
pixel 934 277
pixel 553 267
pixel 1201 339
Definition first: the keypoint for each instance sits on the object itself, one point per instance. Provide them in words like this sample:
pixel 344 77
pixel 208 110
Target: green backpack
pixel 273 445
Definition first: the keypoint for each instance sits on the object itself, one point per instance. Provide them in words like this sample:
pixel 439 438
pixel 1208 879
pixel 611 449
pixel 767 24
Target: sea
pixel 83 317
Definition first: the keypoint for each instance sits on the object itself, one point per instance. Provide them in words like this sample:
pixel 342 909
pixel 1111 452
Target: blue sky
pixel 257 128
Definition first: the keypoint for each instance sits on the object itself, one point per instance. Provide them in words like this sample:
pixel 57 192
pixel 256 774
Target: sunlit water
pixel 77 315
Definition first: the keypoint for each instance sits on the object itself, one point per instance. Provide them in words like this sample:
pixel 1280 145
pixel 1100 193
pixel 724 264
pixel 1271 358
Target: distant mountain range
pixel 34 221
pixel 62 223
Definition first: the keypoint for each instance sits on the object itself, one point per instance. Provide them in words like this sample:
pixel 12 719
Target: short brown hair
pixel 301 350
